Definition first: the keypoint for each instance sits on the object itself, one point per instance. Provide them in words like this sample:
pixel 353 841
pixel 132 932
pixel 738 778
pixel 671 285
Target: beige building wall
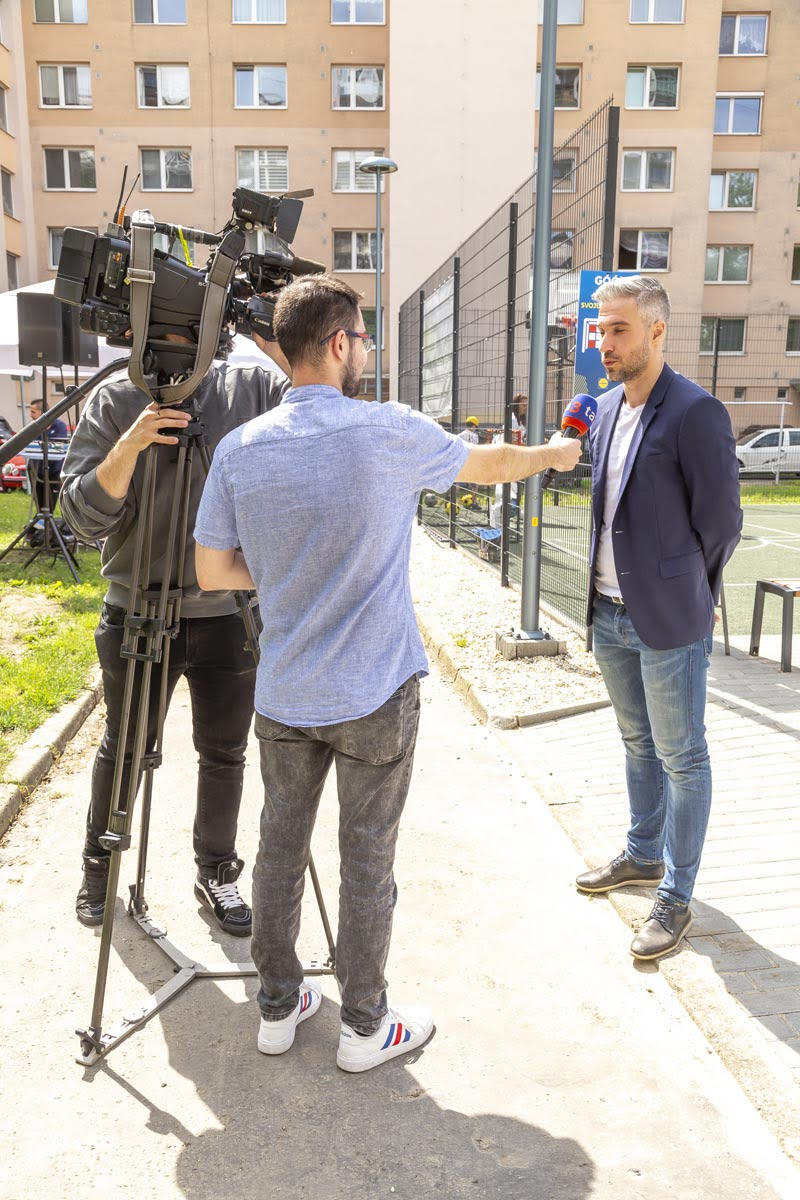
pixel 478 64
pixel 212 127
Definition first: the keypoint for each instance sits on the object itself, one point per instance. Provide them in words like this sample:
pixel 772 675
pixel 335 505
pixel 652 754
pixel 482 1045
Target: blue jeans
pixel 659 699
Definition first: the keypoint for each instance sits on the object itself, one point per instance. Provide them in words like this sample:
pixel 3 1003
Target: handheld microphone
pixel 576 420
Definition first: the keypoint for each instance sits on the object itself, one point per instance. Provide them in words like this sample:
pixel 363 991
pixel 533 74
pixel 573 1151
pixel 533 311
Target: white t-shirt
pixel 605 579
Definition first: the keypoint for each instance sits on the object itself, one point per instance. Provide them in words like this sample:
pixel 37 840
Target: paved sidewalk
pixel 556 1073
pixel 747 907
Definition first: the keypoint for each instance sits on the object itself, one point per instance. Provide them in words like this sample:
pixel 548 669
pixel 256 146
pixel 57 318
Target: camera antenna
pixel 120 207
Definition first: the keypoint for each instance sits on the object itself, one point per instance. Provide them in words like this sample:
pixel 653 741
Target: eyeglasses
pixel 366 338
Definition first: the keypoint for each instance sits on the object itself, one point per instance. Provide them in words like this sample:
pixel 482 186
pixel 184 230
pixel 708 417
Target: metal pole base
pixel 94 1047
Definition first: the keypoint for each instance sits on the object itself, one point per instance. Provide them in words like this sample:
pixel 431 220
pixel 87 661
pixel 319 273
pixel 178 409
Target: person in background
pixel 470 434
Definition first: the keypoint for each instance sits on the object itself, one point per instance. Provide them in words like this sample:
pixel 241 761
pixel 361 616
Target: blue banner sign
pixel 589 374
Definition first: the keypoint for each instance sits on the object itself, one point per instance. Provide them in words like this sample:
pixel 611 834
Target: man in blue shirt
pixel 321 495
pixel 59 431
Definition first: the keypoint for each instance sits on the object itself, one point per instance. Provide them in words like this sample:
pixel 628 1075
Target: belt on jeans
pixel 611 599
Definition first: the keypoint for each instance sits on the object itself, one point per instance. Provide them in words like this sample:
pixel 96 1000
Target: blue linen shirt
pixel 321 495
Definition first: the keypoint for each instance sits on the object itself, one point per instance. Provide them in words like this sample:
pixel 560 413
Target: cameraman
pixel 100 497
pixel 341 654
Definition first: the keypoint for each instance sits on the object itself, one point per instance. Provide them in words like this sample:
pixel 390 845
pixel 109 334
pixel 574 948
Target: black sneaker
pixel 620 872
pixel 220 894
pixel 662 931
pixel 90 903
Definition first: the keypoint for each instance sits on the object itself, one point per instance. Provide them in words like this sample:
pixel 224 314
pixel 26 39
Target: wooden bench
pixel 787 589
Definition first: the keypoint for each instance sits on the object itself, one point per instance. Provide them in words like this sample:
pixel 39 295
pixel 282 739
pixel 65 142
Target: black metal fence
pixel 464 352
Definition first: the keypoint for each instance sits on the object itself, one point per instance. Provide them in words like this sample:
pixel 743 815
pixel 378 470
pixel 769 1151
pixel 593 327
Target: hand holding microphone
pixel 575 422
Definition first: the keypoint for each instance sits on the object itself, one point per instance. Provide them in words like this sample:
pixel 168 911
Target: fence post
pixel 513 215
pixel 610 198
pixel 715 360
pixel 454 387
pixel 420 365
pixel 780 446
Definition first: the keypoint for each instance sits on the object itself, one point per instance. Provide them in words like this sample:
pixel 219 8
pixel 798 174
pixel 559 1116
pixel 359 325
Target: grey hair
pixel 651 299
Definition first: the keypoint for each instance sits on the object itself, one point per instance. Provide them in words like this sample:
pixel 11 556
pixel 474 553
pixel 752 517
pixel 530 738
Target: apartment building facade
pixel 196 99
pixel 707 193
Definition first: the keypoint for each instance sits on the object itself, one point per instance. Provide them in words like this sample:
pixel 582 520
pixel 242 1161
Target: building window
pixel 7 182
pixel 264 170
pixel 570 12
pixel 647 170
pixel 652 87
pixel 732 189
pixel 740 394
pixel 727 264
pixel 69 170
pixel 357 87
pixel 565 166
pixel 355 250
pixel 12 264
pixel 64 12
pixel 567 89
pixel 357 12
pixel 796 264
pixel 738 114
pixel 166 170
pixel 55 238
pixel 743 33
pixel 3 109
pixel 782 395
pixel 656 12
pixel 163 87
pixel 731 334
pixel 159 12
pixel 260 87
pixel 369 324
pixel 259 12
pixel 346 175
pixel 65 86
pixel 793 336
pixel 643 249
pixel 561 249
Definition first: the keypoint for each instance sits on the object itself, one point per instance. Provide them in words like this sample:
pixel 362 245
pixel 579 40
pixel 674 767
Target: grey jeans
pixel 373 757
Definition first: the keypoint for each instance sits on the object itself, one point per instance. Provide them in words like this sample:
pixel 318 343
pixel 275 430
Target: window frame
pixel 561 237
pixel 355 270
pixel 57 20
pixel 358 67
pixel 373 309
pixel 795 256
pixel 65 152
pixel 252 68
pixel 647 68
pixel 155 20
pixel 567 152
pixel 5 174
pixel 4 108
pixel 11 257
pixel 651 19
pixel 644 151
pixel 353 21
pixel 722 246
pixel 59 67
pixel 640 232
pixel 737 18
pixel 161 107
pixel 53 266
pixel 162 150
pixel 255 150
pixel 560 67
pixel 252 20
pixel 354 191
pixel 732 96
pixel 540 14
pixel 714 350
pixel 792 353
pixel 726 173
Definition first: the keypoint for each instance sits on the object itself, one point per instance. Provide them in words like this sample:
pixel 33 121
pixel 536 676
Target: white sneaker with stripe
pixel 276 1037
pixel 401 1030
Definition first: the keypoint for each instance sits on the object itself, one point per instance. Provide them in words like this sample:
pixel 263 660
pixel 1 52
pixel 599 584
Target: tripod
pixel 53 541
pixel 152 620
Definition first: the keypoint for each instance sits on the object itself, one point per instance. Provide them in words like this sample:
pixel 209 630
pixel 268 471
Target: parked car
pixel 761 453
pixel 13 474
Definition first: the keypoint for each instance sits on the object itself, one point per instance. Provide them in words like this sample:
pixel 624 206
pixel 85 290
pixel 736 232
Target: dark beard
pixel 351 381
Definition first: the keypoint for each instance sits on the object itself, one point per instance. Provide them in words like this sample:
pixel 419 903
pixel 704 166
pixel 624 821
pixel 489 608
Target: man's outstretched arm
pixel 505 463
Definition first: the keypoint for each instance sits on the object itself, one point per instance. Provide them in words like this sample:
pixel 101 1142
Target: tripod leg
pixel 65 554
pixel 312 870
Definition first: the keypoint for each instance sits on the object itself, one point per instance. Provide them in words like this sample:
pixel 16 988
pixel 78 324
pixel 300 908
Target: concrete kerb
pixel 455 674
pixel 43 748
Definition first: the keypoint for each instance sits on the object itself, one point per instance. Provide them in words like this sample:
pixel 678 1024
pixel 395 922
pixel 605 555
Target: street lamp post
pixel 378 166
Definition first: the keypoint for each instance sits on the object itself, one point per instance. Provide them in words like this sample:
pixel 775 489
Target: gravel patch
pixel 461 607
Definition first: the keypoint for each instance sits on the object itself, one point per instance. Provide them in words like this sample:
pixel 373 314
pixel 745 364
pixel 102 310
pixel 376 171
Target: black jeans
pixel 373 756
pixel 221 675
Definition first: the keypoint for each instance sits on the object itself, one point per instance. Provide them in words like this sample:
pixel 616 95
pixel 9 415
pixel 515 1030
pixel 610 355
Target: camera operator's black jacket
pixel 227 397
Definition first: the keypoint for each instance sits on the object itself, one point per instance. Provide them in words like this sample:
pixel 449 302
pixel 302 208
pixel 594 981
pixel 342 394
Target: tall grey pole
pixel 540 303
pixel 378 166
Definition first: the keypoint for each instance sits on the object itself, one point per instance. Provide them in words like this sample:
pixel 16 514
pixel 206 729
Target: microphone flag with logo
pixel 576 421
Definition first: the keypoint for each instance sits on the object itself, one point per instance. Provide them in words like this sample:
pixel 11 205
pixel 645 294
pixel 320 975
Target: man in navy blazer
pixel 665 501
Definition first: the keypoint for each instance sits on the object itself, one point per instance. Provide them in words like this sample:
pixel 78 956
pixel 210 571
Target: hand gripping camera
pixel 135 295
